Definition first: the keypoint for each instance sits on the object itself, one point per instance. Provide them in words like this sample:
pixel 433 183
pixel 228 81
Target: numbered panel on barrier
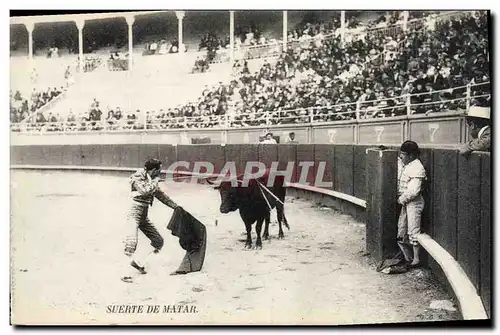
pixel 436 131
pixel 380 133
pixel 334 135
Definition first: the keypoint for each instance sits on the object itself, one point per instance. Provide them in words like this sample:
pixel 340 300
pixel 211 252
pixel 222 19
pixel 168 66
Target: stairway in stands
pixel 156 82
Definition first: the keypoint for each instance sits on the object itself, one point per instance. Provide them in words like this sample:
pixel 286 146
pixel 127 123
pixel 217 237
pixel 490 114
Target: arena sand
pixel 66 256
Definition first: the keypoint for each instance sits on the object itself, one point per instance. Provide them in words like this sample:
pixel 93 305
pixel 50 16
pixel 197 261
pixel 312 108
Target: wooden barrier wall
pixel 458 197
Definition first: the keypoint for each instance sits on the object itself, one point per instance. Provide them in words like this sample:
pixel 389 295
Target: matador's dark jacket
pixel 144 189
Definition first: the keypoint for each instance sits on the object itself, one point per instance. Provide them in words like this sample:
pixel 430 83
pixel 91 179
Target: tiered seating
pixel 431 67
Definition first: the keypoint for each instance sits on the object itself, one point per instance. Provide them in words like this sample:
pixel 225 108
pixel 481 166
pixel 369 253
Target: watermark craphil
pixel 252 170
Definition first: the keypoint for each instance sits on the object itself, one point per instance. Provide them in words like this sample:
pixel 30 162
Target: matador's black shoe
pixel 127 279
pixel 141 269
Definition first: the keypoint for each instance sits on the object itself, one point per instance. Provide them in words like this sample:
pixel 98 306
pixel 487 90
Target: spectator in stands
pixel 131 118
pixel 68 77
pixel 200 65
pixel 40 118
pixel 111 114
pixel 118 114
pixel 34 77
pixel 53 52
pixel 291 139
pixel 478 122
pixel 153 47
pixel 269 139
pixel 71 120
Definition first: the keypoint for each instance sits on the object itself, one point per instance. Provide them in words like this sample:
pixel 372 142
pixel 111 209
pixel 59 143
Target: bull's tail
pixel 281 212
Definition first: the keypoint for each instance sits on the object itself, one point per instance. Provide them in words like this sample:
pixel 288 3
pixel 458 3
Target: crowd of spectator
pixel 90 63
pixel 20 109
pixel 369 75
pixel 210 41
pixel 201 65
pixel 161 47
pixel 118 61
pixel 322 79
pixel 53 52
pixel 249 41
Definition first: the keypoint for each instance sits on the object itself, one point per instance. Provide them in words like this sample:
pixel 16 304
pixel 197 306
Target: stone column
pixel 231 35
pixel 342 26
pixel 130 22
pixel 30 27
pixel 180 16
pixel 406 15
pixel 285 29
pixel 80 23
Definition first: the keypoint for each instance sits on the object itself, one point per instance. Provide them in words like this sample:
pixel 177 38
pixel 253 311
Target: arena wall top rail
pixel 446 128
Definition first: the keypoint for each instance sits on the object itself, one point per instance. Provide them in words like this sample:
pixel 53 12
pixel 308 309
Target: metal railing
pixel 457 98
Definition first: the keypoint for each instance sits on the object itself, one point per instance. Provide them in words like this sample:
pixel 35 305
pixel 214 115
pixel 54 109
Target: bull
pixel 255 202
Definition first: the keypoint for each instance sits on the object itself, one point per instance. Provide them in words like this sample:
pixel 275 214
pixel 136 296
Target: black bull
pixel 251 201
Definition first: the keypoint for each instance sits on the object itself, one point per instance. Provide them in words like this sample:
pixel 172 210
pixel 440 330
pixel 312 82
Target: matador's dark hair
pixel 152 163
pixel 410 147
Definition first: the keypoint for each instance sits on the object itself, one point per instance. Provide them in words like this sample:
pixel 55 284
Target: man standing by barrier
pixel 269 139
pixel 144 188
pixel 478 122
pixel 411 175
pixel 291 139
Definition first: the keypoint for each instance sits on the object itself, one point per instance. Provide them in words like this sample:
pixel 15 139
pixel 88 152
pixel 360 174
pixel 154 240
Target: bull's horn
pixel 209 181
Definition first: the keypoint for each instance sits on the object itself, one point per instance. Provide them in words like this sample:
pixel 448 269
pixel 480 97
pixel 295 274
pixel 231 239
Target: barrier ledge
pixel 72 167
pixel 470 303
pixel 334 194
pixel 436 115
